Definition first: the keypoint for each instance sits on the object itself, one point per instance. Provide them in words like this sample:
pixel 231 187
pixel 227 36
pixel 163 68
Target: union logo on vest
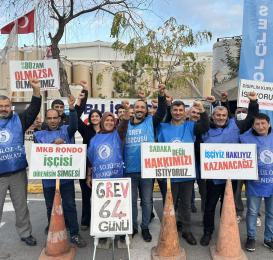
pixel 5 136
pixel 104 151
pixel 176 140
pixel 266 156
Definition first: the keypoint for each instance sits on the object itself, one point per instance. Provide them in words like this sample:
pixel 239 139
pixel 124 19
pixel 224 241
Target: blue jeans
pixel 145 187
pixel 253 207
pixel 68 202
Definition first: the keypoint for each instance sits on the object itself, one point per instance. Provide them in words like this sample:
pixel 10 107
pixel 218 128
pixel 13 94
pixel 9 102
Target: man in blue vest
pixel 141 129
pixel 58 133
pixel 179 130
pixel 13 161
pixel 262 136
pixel 223 130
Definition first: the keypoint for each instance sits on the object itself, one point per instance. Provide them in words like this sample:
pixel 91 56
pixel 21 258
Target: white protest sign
pixel 228 161
pixel 111 212
pixel 167 160
pixel 264 91
pixel 46 71
pixel 51 161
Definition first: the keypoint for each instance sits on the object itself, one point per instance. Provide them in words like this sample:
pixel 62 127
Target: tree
pixel 131 78
pixel 124 12
pixel 166 51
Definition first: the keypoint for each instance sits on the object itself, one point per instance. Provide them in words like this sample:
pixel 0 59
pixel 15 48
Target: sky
pixel 223 18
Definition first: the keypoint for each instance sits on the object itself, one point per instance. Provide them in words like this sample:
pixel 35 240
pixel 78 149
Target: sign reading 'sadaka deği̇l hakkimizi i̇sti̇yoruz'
pixel 167 160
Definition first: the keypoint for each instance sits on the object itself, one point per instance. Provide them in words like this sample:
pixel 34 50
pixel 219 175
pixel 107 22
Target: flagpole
pixel 35 28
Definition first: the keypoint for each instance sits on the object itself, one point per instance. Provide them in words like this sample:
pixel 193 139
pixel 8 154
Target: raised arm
pixel 29 115
pixel 73 119
pixel 161 110
pixel 123 123
pixel 253 110
pixel 202 125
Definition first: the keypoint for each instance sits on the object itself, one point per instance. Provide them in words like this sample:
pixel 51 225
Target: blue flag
pixel 256 60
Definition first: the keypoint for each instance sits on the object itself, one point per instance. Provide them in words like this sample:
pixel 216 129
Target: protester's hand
pixel 154 102
pixel 169 99
pixel 211 99
pixel 36 86
pixel 59 141
pixel 252 96
pixel 37 123
pixel 224 96
pixel 89 181
pixel 161 89
pixel 199 106
pixel 141 95
pixel 80 98
pixel 71 101
pixel 125 104
pixel 84 85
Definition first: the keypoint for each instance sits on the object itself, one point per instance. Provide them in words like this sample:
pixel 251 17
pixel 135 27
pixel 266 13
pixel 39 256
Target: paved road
pixel 9 241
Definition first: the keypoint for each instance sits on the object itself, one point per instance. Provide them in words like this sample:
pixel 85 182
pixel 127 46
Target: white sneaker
pixel 259 222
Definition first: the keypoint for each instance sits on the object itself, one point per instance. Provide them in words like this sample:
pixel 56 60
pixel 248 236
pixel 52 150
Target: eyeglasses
pixel 5 107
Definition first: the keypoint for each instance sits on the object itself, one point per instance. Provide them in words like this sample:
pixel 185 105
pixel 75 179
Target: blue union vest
pixel 227 135
pixel 137 134
pixel 264 186
pixel 48 137
pixel 105 154
pixel 183 133
pixel 12 150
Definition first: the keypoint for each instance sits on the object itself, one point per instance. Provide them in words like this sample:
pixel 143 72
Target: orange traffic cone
pixel 228 245
pixel 168 247
pixel 57 246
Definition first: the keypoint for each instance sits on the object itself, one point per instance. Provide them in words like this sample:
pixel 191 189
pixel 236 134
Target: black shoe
pixel 205 239
pixel 179 226
pixel 30 240
pixel 78 241
pixel 269 244
pixel 146 235
pixel 250 244
pixel 122 239
pixel 135 231
pixel 189 238
pixel 84 227
pixel 193 209
pixel 152 216
pixel 103 240
pixel 46 230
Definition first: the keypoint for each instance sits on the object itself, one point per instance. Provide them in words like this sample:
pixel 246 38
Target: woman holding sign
pixel 105 149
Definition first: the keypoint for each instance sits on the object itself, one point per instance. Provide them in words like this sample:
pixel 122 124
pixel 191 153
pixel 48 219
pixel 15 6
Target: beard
pixel 4 115
pixel 139 115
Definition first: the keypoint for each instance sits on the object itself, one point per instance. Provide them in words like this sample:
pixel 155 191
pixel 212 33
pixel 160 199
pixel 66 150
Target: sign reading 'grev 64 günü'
pixel 51 161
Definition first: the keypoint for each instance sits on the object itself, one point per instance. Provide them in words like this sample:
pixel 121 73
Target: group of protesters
pixel 116 142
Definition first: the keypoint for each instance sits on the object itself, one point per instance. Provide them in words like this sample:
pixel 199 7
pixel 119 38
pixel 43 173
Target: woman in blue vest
pixel 105 151
pixel 262 136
